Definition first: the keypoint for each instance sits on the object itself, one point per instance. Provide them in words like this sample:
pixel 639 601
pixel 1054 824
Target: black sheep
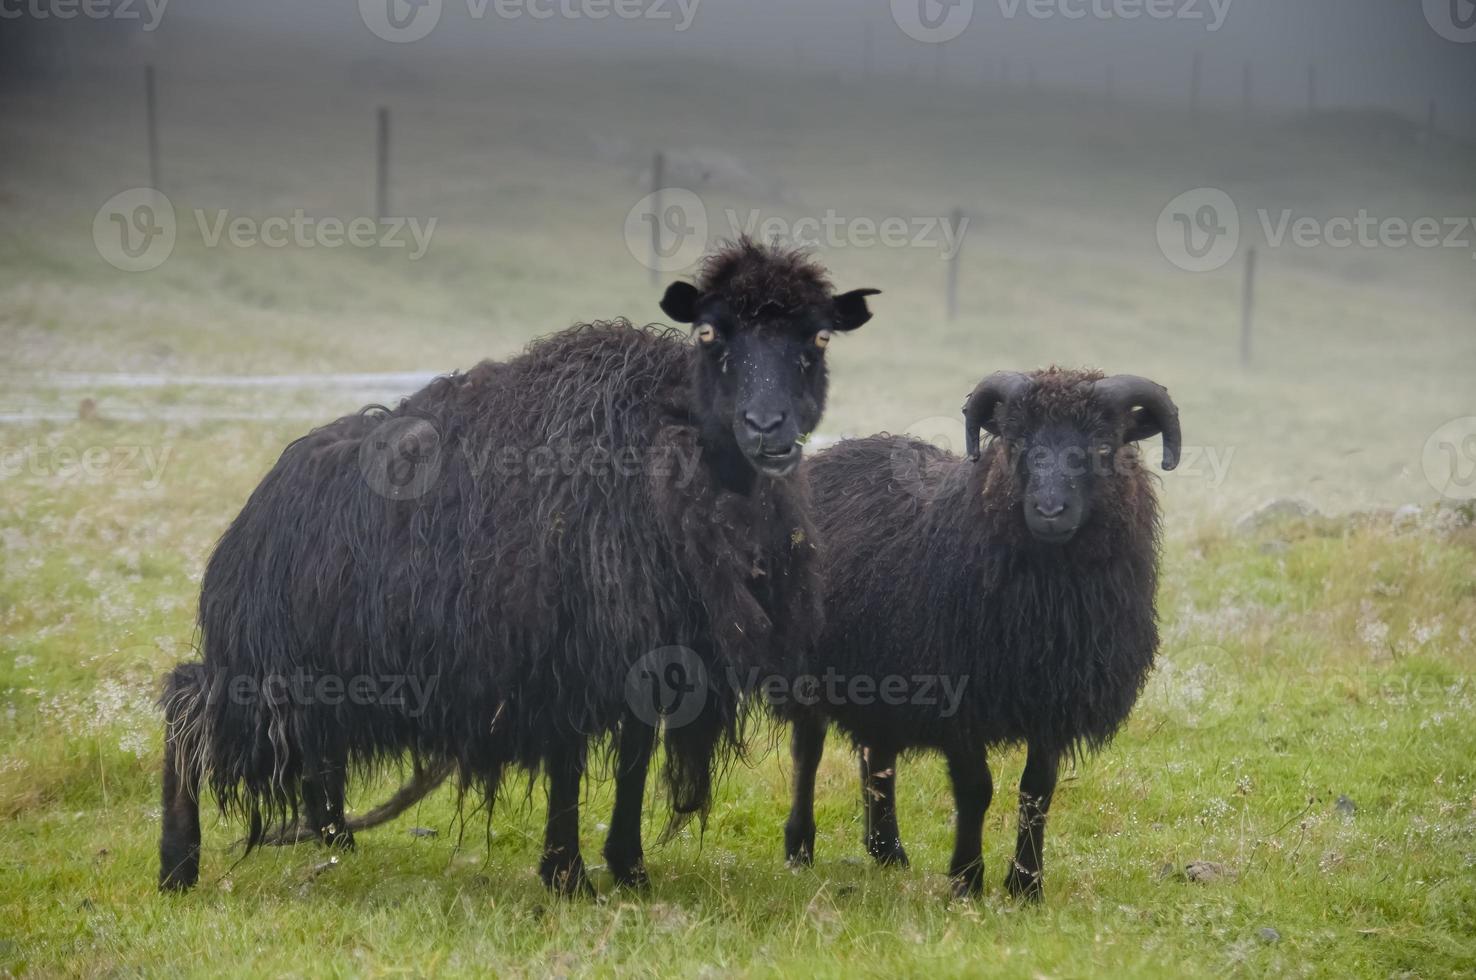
pixel 478 573
pixel 1025 574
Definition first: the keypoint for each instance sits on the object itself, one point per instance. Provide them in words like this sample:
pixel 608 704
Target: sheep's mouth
pixel 1045 536
pixel 777 461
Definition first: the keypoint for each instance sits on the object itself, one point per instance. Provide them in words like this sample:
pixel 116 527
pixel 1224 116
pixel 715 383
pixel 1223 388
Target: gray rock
pixel 1204 871
pixel 1345 807
pixel 1273 511
pixel 1269 934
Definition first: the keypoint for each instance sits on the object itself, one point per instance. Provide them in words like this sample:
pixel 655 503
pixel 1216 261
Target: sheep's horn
pixel 978 411
pixel 1126 392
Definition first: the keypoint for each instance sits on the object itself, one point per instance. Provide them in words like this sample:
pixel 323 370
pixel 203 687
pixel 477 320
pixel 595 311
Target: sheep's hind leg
pixel 179 843
pixel 562 867
pixel 879 801
pixel 806 746
pixel 1037 786
pixel 323 797
pixel 623 851
pixel 973 789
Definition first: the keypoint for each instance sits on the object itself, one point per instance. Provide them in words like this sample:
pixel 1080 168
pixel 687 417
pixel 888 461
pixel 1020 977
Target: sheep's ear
pixel 680 302
pixel 850 308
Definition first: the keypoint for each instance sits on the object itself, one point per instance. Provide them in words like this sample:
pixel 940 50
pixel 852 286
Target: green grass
pixel 1303 662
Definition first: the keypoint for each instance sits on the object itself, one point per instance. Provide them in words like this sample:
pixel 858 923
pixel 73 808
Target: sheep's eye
pixel 822 338
pixel 706 333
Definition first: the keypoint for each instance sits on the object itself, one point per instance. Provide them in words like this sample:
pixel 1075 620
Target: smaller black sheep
pixel 1024 575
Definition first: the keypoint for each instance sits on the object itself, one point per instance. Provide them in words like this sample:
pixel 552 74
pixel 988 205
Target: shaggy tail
pixel 183 702
pixel 421 784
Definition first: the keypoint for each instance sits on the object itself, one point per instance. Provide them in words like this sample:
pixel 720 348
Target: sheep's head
pixel 761 318
pixel 1066 439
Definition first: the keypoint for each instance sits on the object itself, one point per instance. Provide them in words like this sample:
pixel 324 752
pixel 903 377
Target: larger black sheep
pixel 471 578
pixel 1024 574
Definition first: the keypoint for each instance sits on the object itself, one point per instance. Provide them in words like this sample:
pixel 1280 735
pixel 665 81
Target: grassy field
pixel 1306 743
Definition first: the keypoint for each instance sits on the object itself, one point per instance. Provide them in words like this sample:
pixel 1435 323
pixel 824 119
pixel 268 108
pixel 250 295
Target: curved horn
pixel 1158 413
pixel 978 411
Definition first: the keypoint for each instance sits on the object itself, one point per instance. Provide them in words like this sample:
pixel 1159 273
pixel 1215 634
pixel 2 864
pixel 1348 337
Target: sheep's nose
pixel 1050 510
pixel 764 423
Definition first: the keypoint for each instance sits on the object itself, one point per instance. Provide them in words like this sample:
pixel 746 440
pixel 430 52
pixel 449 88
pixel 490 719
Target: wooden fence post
pixel 658 179
pixel 952 296
pixel 151 114
pixel 1247 306
pixel 381 169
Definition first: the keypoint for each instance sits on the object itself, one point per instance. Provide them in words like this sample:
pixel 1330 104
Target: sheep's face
pixel 1066 441
pixel 761 377
pixel 1060 468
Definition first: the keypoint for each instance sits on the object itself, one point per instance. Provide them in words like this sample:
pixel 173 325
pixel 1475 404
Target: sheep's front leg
pixel 973 790
pixel 806 747
pixel 323 796
pixel 879 800
pixel 1037 786
pixel 623 851
pixel 562 867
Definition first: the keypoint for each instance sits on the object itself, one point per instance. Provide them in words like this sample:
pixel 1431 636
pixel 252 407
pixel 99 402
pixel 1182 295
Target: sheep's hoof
pixel 566 878
pixel 891 855
pixel 339 840
pixel 1024 885
pixel 968 883
pixel 632 876
pixel 799 847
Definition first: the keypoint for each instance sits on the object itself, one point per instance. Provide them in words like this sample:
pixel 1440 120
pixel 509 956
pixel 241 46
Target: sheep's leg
pixel 179 844
pixel 879 800
pixel 623 851
pixel 562 867
pixel 322 795
pixel 806 746
pixel 973 789
pixel 1037 786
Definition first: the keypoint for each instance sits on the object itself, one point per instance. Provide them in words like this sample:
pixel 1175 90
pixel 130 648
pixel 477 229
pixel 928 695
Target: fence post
pixel 952 298
pixel 1196 71
pixel 1311 88
pixel 381 170
pixel 1246 94
pixel 1247 306
pixel 658 179
pixel 866 54
pixel 151 114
